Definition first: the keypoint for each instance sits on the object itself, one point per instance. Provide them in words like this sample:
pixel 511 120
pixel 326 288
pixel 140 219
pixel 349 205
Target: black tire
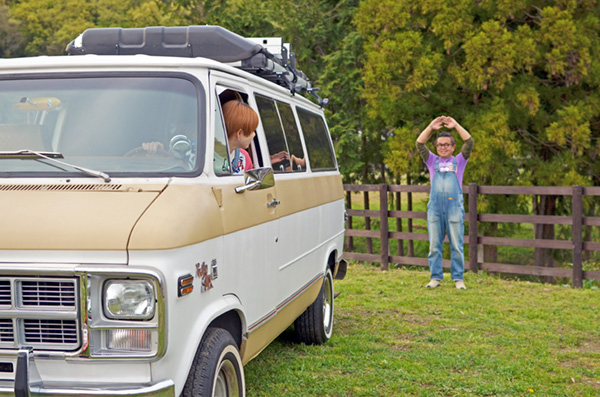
pixel 217 369
pixel 315 325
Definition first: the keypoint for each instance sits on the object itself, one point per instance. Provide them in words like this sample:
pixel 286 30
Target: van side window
pixel 317 140
pixel 274 133
pixel 292 135
pixel 221 158
pixel 283 137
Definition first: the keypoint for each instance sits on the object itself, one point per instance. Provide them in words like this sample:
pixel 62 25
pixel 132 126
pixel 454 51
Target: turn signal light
pixel 185 285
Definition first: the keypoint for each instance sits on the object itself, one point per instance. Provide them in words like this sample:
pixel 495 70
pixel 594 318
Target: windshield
pixel 117 125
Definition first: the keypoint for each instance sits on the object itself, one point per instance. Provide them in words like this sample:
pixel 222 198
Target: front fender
pixel 178 359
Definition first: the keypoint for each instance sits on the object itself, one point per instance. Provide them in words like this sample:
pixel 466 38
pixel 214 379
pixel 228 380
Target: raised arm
pixel 451 123
pixel 435 125
pixel 467 147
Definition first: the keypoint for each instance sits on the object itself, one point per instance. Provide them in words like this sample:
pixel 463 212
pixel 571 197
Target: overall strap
pixel 454 164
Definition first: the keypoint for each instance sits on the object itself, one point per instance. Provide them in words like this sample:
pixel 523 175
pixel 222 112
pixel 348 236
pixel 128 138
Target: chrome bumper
pixel 27 383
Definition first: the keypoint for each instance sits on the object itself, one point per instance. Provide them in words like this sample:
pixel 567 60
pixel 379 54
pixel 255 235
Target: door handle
pixel 274 203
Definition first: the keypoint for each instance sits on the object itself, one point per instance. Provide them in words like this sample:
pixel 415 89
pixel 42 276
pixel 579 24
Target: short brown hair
pixel 445 135
pixel 239 116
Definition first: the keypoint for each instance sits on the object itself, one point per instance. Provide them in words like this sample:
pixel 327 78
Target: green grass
pixel 393 337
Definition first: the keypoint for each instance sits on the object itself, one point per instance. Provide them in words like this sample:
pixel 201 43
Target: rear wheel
pixel 315 325
pixel 217 369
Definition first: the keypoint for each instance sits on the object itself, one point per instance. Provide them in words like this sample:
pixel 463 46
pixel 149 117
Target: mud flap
pixel 340 270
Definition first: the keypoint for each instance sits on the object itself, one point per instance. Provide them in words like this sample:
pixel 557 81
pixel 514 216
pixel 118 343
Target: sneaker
pixel 460 284
pixel 433 284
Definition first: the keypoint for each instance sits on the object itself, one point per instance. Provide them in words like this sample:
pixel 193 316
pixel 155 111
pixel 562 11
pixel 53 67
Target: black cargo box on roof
pixel 213 42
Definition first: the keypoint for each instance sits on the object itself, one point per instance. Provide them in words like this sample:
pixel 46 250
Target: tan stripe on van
pixel 70 220
pixel 259 338
pixel 300 194
pixel 183 215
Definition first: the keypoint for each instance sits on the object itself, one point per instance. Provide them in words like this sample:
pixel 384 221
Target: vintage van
pixel 129 271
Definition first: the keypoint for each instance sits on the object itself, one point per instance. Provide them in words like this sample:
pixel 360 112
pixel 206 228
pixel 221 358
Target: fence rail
pixel 576 220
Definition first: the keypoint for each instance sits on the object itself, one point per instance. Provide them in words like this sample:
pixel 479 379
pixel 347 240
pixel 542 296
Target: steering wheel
pixel 141 152
pixel 179 147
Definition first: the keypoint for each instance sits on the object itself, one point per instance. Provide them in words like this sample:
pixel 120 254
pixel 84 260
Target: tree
pixel 342 84
pixel 49 25
pixel 11 41
pixel 521 75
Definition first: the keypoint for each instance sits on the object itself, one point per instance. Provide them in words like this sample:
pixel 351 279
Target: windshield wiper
pixel 24 154
pixel 52 156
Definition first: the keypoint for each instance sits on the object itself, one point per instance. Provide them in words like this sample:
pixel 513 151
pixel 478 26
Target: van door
pixel 250 220
pixel 300 218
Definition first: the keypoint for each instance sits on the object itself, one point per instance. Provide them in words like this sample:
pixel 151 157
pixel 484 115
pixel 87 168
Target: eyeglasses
pixel 444 145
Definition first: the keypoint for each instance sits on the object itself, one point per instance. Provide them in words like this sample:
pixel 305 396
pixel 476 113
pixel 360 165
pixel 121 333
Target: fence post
pixel 577 231
pixel 399 222
pixel 409 223
pixel 349 239
pixel 473 227
pixel 383 226
pixel 367 221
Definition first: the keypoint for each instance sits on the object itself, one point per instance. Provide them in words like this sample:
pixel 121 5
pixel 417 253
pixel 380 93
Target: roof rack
pixel 267 57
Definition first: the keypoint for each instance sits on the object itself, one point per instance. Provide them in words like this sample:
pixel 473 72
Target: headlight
pixel 129 299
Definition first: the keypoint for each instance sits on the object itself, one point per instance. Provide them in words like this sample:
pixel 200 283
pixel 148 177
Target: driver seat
pixel 21 136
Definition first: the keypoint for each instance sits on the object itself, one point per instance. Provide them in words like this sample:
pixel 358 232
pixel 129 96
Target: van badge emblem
pixel 205 276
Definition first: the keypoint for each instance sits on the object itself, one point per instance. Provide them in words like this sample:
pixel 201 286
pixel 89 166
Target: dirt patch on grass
pixel 414 319
pixel 402 345
pixel 590 347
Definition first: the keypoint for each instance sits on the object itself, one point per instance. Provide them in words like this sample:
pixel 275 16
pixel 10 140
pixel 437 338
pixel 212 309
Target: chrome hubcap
pixel 327 305
pixel 226 383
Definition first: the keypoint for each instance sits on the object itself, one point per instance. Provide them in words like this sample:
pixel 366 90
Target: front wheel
pixel 315 325
pixel 217 369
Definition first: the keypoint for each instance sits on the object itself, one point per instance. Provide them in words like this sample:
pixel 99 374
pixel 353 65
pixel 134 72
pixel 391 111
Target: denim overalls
pixel 446 214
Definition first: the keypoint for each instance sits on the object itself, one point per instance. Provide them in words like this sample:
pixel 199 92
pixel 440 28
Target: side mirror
pixel 257 179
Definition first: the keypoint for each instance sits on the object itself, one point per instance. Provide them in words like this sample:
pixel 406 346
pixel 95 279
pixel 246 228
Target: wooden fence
pixel 576 220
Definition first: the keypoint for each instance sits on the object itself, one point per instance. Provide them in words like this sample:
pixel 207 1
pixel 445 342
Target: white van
pixel 125 271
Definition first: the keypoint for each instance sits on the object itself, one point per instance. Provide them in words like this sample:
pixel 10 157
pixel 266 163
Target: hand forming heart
pixel 443 121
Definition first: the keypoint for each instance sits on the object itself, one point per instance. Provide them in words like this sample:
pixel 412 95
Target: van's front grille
pixel 6 330
pixel 48 293
pixel 50 331
pixel 40 312
pixel 5 293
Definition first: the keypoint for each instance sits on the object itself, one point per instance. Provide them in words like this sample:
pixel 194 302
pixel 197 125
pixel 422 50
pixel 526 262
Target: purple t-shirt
pixel 446 164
